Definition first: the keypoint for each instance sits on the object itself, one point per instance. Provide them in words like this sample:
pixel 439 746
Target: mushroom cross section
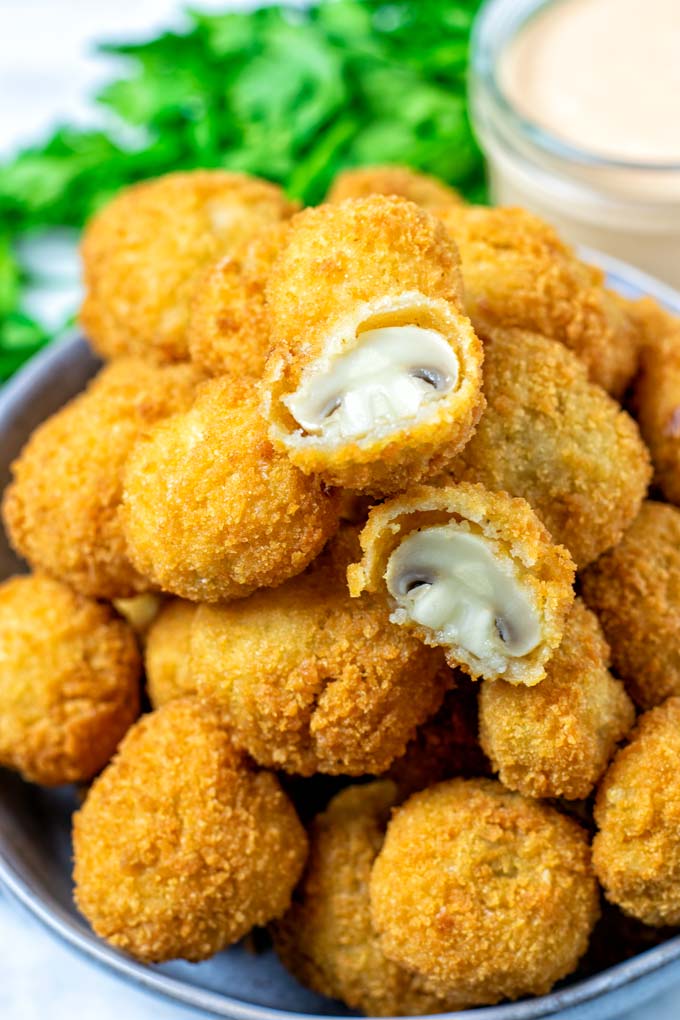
pixel 388 378
pixel 457 583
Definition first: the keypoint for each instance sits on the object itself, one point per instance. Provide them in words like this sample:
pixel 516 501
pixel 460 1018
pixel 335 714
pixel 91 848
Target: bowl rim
pixel 56 919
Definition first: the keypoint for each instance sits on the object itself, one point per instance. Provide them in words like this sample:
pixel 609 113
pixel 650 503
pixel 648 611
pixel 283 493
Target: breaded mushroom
pixel 635 591
pixel 211 511
pixel 555 739
pixel 61 510
pixel 636 852
pixel 144 253
pixel 486 894
pixel 558 441
pixel 375 373
pixel 445 746
pixel 229 329
pixel 70 674
pixel 656 393
pixel 167 653
pixel 518 273
pixel 311 680
pixel 473 572
pixel 182 846
pixel 327 939
pixel 423 189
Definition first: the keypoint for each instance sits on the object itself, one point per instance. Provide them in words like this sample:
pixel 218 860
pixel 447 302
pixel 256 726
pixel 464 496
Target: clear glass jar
pixel 629 210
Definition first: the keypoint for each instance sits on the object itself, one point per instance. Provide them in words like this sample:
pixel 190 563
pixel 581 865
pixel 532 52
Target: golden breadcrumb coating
pixel 635 591
pixel 70 681
pixel 555 739
pixel 229 323
pixel 311 680
pixel 211 511
pixel 145 251
pixel 514 534
pixel 61 511
pixel 423 189
pixel 487 894
pixel 656 393
pixel 167 653
pixel 327 939
pixel 556 440
pixel 518 273
pixel 140 611
pixel 445 746
pixel 182 846
pixel 636 852
pixel 360 266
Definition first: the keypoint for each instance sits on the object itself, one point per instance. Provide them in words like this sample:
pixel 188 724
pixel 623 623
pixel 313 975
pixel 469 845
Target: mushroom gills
pixel 386 379
pixel 450 580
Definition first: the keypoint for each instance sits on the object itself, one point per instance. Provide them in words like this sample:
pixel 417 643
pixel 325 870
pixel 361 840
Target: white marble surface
pixel 47 70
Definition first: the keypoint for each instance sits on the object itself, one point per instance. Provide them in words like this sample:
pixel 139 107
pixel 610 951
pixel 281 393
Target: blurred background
pixel 95 96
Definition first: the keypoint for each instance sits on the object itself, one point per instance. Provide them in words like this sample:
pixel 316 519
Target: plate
pixel 35 848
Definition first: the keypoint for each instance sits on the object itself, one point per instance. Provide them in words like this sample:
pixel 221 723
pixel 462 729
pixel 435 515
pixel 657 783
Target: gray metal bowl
pixel 35 846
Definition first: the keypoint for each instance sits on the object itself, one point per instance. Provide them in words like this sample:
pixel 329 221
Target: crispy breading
pixel 70 681
pixel 555 739
pixel 445 746
pixel 311 680
pixel 211 511
pixel 145 251
pixel 229 328
pixel 368 264
pixel 327 939
pixel 517 272
pixel 545 571
pixel 635 591
pixel 558 441
pixel 182 846
pixel 655 400
pixel 61 510
pixel 167 653
pixel 636 852
pixel 423 189
pixel 485 893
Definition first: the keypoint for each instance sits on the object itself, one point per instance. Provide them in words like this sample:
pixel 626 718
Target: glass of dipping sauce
pixel 577 106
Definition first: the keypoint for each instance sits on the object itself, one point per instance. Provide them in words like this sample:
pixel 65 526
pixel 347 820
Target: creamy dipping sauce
pixel 577 107
pixel 602 75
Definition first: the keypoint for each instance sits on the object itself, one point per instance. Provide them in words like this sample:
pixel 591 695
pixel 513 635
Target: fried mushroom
pixel 145 252
pixel 375 372
pixel 473 572
pixel 70 681
pixel 423 189
pixel 518 273
pixel 310 680
pixel 62 509
pixel 558 441
pixel 636 852
pixel 635 591
pixel 555 739
pixel 485 894
pixel 327 939
pixel 182 846
pixel 229 329
pixel 211 511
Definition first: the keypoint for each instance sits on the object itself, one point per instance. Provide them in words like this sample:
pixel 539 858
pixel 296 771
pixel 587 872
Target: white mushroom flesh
pixel 388 378
pixel 455 583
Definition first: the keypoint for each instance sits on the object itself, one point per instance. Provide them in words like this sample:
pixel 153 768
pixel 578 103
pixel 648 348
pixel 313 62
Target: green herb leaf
pixel 291 94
